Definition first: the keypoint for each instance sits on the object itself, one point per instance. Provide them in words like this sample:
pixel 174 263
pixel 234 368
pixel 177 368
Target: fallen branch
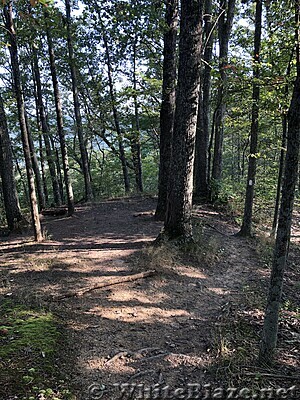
pixel 110 282
pixel 216 229
pixel 116 357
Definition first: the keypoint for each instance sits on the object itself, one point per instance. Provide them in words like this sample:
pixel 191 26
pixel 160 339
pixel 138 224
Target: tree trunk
pixel 116 120
pixel 83 151
pixel 224 31
pixel 42 158
pixel 45 130
pixel 280 174
pixel 13 49
pixel 178 217
pixel 135 135
pixel 270 328
pixel 282 152
pixel 203 124
pixel 60 125
pixel 167 110
pixel 120 138
pixel 246 229
pixel 35 167
pixel 10 196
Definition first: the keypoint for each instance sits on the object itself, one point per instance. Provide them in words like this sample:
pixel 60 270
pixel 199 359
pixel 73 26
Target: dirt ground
pixel 195 321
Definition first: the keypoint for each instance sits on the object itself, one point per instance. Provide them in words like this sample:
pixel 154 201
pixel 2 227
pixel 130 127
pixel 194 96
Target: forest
pixel 149 199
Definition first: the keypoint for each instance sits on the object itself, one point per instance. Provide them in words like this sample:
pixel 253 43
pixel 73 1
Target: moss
pixel 30 341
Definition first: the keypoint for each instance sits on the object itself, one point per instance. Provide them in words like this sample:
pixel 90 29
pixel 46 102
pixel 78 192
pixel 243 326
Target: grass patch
pixel 30 341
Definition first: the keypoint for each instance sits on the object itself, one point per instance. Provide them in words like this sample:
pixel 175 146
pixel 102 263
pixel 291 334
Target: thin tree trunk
pixel 45 130
pixel 116 118
pixel 270 329
pixel 83 151
pixel 282 153
pixel 178 217
pixel 135 136
pixel 120 138
pixel 60 125
pixel 280 174
pixel 41 152
pixel 224 31
pixel 202 135
pixel 39 128
pixel 246 229
pixel 13 49
pixel 35 167
pixel 167 110
pixel 10 196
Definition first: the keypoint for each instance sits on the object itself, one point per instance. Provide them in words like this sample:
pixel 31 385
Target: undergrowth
pixel 30 344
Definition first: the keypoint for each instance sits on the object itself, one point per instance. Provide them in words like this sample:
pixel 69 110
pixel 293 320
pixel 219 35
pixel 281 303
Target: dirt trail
pixel 160 329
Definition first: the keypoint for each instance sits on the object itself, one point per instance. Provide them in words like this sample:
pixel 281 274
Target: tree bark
pixel 203 124
pixel 246 229
pixel 224 31
pixel 179 206
pixel 167 110
pixel 13 49
pixel 45 130
pixel 135 135
pixel 10 196
pixel 270 329
pixel 83 151
pixel 120 138
pixel 282 152
pixel 280 174
pixel 35 167
pixel 59 118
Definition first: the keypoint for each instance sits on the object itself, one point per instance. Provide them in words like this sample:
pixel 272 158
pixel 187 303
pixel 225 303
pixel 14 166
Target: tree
pixel 167 110
pixel 180 189
pixel 45 129
pixel 59 118
pixel 74 76
pixel 135 134
pixel 225 22
pixel 13 49
pixel 270 329
pixel 246 229
pixel 203 124
pixel 10 196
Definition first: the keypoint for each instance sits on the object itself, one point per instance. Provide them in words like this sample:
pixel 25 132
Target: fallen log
pixel 109 282
pixel 54 212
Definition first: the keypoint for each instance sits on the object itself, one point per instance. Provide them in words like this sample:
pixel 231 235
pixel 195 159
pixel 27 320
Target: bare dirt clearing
pixel 197 320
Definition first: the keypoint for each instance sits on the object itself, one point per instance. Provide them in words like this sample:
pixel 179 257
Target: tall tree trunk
pixel 116 118
pixel 59 118
pixel 13 49
pixel 120 138
pixel 41 150
pixel 203 124
pixel 167 109
pixel 224 30
pixel 83 151
pixel 10 196
pixel 280 174
pixel 270 328
pixel 42 161
pixel 178 217
pixel 246 229
pixel 35 167
pixel 282 152
pixel 45 130
pixel 135 135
